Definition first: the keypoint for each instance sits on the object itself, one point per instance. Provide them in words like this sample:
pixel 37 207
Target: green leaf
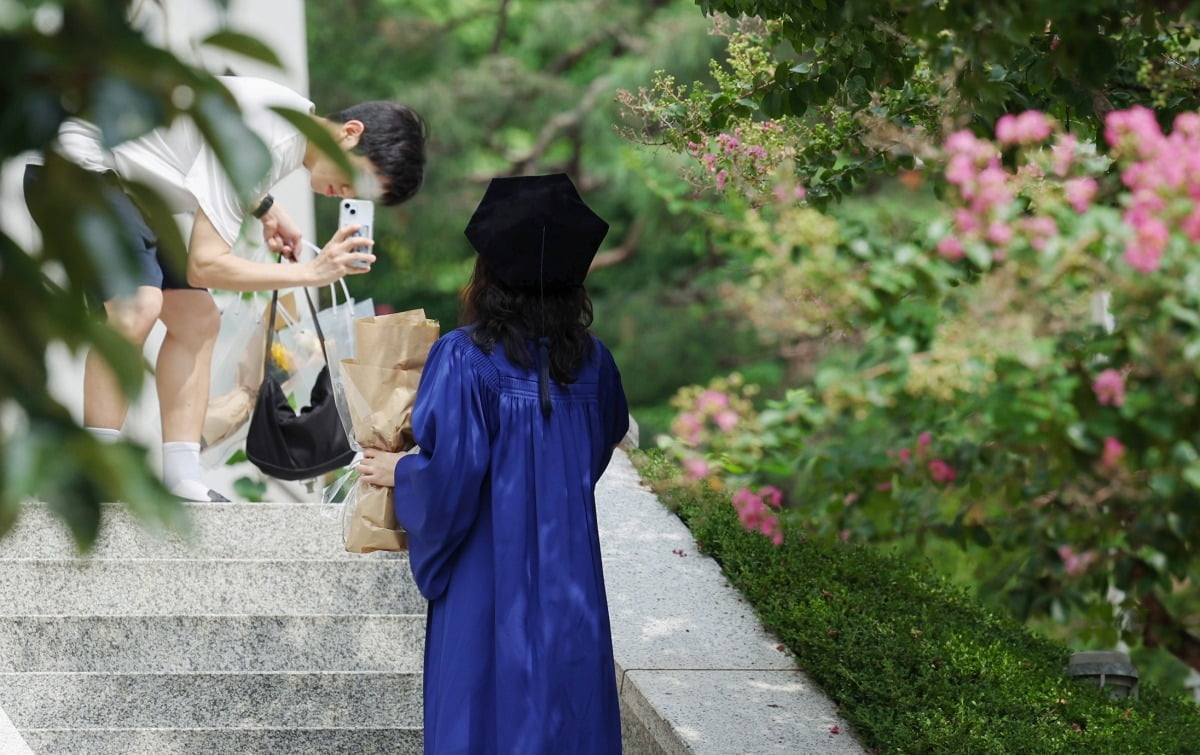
pixel 979 254
pixel 241 153
pixel 159 216
pixel 316 134
pixel 122 110
pixel 795 101
pixel 1077 433
pixel 251 490
pixel 244 44
pixel 1191 474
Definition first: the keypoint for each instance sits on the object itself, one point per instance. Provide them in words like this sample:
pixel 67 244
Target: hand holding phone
pixel 359 212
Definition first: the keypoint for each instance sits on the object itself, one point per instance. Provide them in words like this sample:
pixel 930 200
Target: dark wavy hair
pixel 513 317
pixel 393 138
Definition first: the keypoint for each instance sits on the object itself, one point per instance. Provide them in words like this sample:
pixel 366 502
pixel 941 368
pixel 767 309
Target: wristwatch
pixel 263 206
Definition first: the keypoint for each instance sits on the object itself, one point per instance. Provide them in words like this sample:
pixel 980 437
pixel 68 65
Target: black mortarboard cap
pixel 536 231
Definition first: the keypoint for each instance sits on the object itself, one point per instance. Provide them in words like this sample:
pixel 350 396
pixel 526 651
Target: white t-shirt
pixel 177 163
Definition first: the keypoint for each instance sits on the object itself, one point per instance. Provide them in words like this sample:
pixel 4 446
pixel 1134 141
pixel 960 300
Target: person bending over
pixel 384 141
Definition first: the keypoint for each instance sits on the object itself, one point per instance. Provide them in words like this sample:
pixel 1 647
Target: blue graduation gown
pixel 500 510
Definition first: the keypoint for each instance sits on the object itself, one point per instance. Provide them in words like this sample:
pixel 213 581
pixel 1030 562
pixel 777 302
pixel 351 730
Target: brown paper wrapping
pixel 381 386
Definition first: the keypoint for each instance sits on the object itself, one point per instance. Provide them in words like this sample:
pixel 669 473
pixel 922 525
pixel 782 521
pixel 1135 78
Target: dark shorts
pixel 153 269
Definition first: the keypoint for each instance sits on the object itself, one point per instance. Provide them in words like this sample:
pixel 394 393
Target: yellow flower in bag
pixel 280 357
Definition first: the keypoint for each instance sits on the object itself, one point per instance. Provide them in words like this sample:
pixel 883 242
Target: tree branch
pixel 558 124
pixel 571 57
pixel 501 26
pixel 1161 629
pixel 622 251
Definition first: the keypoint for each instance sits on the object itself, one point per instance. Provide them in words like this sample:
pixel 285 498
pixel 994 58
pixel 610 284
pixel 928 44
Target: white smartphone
pixel 359 212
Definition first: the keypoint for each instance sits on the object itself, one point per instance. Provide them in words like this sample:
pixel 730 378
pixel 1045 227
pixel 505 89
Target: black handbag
pixel 290 445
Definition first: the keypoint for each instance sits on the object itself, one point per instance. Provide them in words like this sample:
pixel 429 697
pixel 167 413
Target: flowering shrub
pixel 1026 387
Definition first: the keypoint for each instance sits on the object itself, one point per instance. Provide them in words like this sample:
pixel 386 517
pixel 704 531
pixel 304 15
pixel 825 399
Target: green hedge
pixel 916 665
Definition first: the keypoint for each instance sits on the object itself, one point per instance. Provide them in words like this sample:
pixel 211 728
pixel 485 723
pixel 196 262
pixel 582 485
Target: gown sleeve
pixel 615 406
pixel 438 488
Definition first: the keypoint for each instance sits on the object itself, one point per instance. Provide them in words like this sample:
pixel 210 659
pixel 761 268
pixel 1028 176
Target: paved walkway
pixel 698 673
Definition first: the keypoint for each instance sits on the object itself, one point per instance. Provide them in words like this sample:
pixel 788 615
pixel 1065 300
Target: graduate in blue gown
pixel 516 418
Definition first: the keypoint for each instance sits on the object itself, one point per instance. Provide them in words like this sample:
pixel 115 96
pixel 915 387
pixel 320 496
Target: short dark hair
pixel 393 139
pixel 513 317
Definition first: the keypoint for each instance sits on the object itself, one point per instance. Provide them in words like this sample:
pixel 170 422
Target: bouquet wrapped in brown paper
pixel 379 387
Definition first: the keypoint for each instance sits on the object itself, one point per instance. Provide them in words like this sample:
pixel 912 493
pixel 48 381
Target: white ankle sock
pixel 104 434
pixel 181 470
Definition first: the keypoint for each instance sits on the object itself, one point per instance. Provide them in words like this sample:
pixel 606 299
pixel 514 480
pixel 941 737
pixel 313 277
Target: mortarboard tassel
pixel 543 341
pixel 544 374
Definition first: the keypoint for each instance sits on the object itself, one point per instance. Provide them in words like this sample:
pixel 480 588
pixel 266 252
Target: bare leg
pixel 183 373
pixel 185 362
pixel 104 405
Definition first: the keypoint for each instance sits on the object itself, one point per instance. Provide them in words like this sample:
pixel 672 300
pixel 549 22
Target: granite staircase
pixel 257 633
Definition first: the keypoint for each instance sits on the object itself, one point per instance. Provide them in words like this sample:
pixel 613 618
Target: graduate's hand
pixel 379 467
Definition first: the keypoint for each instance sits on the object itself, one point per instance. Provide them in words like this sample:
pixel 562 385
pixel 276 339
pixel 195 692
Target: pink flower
pixel 728 143
pixel 951 248
pixel 1027 128
pixel 849 499
pixel 726 419
pixel 905 455
pixel 1079 192
pixel 755 516
pixel 961 170
pixel 1109 387
pixel 771 495
pixel 720 179
pixel 696 469
pixel 1062 154
pixel 1075 563
pixel 999 232
pixel 1113 452
pixel 941 472
pixel 1034 126
pixel 712 401
pixel 924 440
pixel 1187 125
pixel 1144 258
pixel 961 142
pixel 966 221
pixel 1006 129
pixel 1040 229
pixel 688 427
pixel 844 536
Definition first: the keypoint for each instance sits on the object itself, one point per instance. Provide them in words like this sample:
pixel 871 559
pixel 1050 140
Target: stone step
pixel 219 530
pixel 211 701
pixel 323 741
pixel 209 644
pixel 153 587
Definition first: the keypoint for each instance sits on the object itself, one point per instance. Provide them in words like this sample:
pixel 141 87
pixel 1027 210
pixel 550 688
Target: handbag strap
pixel 271 328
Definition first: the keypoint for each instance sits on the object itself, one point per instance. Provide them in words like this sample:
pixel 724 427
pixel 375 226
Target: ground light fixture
pixel 1111 670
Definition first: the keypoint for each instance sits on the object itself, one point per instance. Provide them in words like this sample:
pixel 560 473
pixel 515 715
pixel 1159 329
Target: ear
pixel 351 131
